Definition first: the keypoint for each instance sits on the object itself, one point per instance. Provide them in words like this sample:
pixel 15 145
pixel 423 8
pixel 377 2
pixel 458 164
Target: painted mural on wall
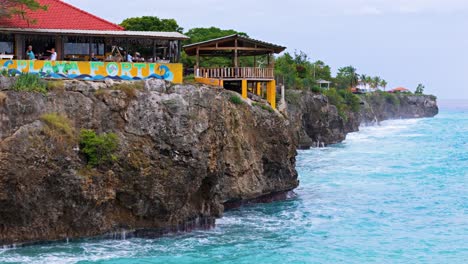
pixel 95 70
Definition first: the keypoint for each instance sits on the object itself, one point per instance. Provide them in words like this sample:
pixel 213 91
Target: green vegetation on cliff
pixel 236 100
pixel 98 149
pixel 59 126
pixel 344 100
pixel 29 82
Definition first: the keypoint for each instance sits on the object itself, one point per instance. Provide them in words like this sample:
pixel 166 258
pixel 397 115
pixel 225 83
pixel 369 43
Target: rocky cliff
pixel 383 106
pixel 184 152
pixel 316 122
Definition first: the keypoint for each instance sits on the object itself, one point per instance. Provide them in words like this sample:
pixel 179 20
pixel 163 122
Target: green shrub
pixel 4 73
pixel 98 149
pixel 189 79
pixel 236 100
pixel 316 89
pixel 334 97
pixel 344 100
pixel 351 100
pixel 29 82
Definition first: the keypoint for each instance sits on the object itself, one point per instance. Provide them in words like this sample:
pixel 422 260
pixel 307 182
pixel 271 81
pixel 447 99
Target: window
pixel 6 47
pixel 83 48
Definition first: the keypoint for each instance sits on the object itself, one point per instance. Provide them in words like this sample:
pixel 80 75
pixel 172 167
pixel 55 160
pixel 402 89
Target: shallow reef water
pixel 394 193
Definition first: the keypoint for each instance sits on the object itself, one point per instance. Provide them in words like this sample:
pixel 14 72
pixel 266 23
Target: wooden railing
pixel 235 73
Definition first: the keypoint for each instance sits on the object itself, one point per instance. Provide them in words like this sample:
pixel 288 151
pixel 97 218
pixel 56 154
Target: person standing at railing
pixel 53 54
pixel 30 53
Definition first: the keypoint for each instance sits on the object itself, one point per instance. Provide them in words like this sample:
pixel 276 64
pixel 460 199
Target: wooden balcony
pixel 236 73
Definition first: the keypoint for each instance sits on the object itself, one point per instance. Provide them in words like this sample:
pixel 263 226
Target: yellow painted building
pixel 95 70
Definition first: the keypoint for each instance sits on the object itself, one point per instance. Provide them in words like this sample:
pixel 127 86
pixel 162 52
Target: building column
pixel 244 89
pixel 271 93
pixel 259 88
pixel 59 47
pixel 197 64
pixel 20 49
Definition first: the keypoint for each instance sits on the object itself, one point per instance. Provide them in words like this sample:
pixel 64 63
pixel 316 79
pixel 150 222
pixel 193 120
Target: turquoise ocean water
pixel 395 193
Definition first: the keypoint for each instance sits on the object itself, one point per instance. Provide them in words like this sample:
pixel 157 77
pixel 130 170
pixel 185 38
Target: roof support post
pixel 179 51
pixel 271 59
pixel 126 48
pixel 59 47
pixel 198 58
pixel 154 50
pixel 90 47
pixel 20 48
pixel 236 62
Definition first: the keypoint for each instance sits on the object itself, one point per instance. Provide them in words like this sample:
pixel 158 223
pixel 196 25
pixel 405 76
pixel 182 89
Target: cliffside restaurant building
pixel 75 35
pixel 251 68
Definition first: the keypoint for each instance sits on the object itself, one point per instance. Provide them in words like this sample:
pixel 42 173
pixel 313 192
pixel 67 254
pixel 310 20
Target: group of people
pixel 135 58
pixel 53 56
pixel 31 56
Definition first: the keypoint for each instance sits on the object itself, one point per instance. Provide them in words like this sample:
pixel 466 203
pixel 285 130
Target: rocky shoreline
pixel 186 153
pixel 317 123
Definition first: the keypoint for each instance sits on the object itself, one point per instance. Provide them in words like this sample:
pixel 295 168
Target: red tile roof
pixel 400 89
pixel 60 15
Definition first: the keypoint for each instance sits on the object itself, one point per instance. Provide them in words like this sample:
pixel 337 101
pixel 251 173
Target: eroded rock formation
pixel 317 123
pixel 184 151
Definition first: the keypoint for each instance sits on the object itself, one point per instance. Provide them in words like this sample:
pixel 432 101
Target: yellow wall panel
pixel 91 70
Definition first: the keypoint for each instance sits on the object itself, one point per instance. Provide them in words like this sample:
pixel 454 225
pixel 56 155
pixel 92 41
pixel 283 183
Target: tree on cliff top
pixel 347 77
pixel 151 23
pixel 420 89
pixel 297 71
pixel 203 34
pixel 9 8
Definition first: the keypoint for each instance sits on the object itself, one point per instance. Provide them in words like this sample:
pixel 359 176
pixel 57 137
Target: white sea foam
pixel 385 129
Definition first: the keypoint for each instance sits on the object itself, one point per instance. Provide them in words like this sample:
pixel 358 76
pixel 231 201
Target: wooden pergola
pixel 235 76
pixel 234 47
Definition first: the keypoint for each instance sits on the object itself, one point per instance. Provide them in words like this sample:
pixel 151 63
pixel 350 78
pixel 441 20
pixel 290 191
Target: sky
pixel 406 42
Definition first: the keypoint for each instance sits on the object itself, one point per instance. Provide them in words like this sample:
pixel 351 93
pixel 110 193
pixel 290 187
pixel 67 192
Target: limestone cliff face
pixel 316 123
pixel 184 152
pixel 378 108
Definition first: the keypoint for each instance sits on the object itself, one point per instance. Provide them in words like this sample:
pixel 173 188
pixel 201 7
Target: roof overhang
pixel 98 33
pixel 323 82
pixel 224 46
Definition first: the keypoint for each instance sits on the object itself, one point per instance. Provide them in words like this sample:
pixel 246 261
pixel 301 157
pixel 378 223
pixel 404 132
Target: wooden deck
pixel 233 73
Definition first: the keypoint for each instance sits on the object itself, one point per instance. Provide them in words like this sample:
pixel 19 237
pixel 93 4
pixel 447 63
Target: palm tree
pixel 368 81
pixel 376 82
pixel 384 84
pixel 363 79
